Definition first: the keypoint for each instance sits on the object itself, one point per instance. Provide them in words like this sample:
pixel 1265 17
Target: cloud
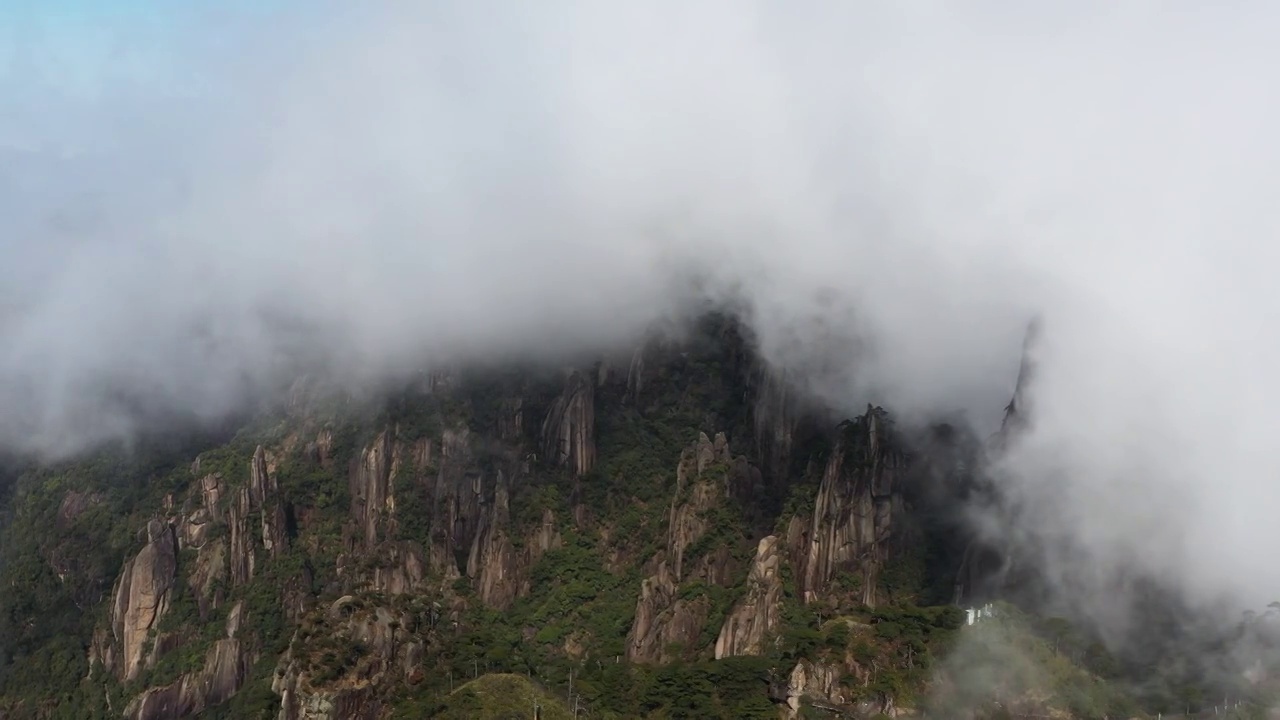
pixel 893 191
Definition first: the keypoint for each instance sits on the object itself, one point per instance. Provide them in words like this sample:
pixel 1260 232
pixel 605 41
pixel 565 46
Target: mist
pixel 196 204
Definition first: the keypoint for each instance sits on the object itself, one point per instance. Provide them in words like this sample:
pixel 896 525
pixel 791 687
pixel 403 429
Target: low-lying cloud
pixel 377 187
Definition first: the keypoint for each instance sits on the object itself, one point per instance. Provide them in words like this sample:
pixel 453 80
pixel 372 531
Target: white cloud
pixel 416 181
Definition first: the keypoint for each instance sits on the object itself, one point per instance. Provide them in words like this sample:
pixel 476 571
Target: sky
pixel 194 198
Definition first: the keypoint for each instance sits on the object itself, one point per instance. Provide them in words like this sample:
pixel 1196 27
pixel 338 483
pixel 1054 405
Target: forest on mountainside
pixel 664 534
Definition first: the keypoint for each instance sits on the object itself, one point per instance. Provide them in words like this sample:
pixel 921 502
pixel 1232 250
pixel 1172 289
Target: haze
pixel 193 205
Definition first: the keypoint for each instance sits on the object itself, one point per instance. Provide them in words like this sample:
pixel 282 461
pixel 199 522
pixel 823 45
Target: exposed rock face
pixel 445 490
pixel 666 625
pixel 243 559
pixel 209 569
pixel 492 556
pixel 456 494
pixel 198 530
pixel 211 489
pixel 687 524
pixel 821 685
pixel 440 509
pixel 1017 412
pixel 511 420
pixel 144 588
pixel 635 375
pixel 992 565
pixel 74 504
pixel 647 362
pixel 501 571
pixel 401 569
pixel 775 418
pixel 371 497
pixel 385 470
pixel 226 666
pixel 84 585
pixel 141 599
pixel 851 525
pixel 568 432
pixel 426 512
pixel 813 681
pixel 755 617
pixel 389 648
pixel 260 494
pixel 266 492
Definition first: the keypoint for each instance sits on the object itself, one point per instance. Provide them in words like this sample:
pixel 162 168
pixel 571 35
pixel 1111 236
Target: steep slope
pixel 666 534
pixel 492 697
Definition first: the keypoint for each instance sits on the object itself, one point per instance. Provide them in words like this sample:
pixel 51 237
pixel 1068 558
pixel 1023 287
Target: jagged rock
pixel 492 554
pixel 635 375
pixel 263 485
pixel 775 417
pixel 466 531
pixel 992 564
pixel 356 704
pixel 500 569
pixel 195 529
pixel 141 599
pixel 74 504
pixel 755 617
pixel 261 494
pixel 851 523
pixel 455 443
pixel 657 592
pixel 664 623
pixel 400 570
pixel 1017 412
pixel 210 567
pixel 242 558
pixel 717 566
pixel 296 594
pixel 320 450
pixel 813 681
pixel 687 523
pixel 208 570
pixel 226 667
pixel 422 454
pixel 389 648
pixel 568 432
pixel 823 685
pixel 423 511
pixel 457 504
pixel 211 489
pixel 371 500
pixel 511 420
pixel 163 643
pixel 662 619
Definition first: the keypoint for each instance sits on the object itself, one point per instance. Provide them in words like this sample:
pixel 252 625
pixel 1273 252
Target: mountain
pixel 671 532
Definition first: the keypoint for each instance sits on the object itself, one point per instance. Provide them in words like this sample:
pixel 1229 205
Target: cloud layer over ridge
pixel 188 206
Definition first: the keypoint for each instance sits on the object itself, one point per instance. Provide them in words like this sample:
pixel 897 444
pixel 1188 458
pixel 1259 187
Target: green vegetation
pixel 68 530
pixel 1003 660
pixel 490 697
pixel 67 535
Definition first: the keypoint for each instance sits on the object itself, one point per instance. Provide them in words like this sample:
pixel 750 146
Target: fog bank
pixel 196 203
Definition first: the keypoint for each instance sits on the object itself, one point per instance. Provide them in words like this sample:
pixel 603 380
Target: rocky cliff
pixel 568 432
pixel 667 624
pixel 756 618
pixel 669 532
pixel 225 669
pixel 140 600
pixel 851 525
